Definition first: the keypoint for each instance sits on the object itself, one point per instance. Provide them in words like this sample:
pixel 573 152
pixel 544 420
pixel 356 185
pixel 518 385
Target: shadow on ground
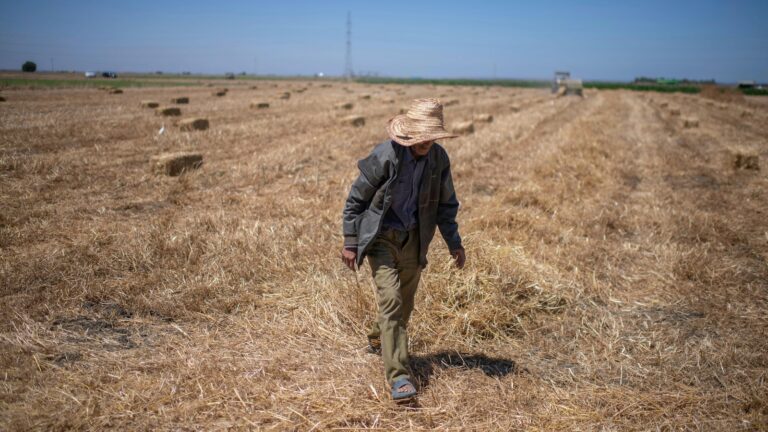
pixel 424 367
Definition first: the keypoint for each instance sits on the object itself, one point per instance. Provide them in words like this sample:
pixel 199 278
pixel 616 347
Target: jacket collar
pixel 400 155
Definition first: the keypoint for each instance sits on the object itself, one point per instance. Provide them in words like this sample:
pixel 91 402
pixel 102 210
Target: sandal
pixel 374 346
pixel 403 390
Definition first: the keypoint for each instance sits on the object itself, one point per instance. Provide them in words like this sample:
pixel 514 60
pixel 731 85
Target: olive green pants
pixel 394 260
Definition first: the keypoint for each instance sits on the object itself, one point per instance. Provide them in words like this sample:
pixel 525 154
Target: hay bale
pixel 741 160
pixel 463 128
pixel 451 102
pixel 193 124
pixel 260 105
pixel 690 122
pixel 116 91
pixel 483 118
pixel 168 111
pixel 344 105
pixel 354 120
pixel 149 104
pixel 174 164
pixel 674 112
pixel 180 100
pixel 286 95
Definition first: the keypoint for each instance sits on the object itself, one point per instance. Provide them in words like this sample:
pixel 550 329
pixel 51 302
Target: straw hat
pixel 423 122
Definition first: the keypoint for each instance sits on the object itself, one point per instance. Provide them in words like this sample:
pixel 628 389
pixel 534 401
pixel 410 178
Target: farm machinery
pixel 563 84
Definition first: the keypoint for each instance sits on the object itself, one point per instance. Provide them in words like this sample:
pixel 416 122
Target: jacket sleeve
pixel 372 175
pixel 447 208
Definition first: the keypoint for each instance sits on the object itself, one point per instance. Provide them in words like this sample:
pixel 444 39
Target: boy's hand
pixel 460 257
pixel 348 256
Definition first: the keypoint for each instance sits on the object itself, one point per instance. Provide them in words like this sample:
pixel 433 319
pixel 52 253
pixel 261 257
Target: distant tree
pixel 28 66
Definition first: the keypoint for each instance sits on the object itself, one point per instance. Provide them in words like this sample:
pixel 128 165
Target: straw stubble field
pixel 616 278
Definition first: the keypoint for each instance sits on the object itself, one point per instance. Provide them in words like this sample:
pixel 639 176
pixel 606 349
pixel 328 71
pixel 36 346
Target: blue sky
pixel 616 40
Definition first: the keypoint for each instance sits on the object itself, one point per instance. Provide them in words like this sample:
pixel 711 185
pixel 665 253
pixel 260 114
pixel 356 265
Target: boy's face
pixel 422 149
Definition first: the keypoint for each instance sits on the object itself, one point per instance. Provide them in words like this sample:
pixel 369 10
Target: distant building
pixel 747 84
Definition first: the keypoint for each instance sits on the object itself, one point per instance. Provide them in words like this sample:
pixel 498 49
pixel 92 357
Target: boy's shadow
pixel 423 367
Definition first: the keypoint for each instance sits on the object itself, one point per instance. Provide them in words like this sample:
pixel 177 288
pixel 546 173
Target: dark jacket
pixel 370 197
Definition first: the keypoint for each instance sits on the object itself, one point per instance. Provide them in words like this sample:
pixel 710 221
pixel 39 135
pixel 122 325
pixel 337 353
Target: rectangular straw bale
pixel 259 105
pixel 174 164
pixel 463 128
pixel 744 160
pixel 690 122
pixel 180 100
pixel 483 118
pixel 192 124
pixel 354 120
pixel 168 111
pixel 149 104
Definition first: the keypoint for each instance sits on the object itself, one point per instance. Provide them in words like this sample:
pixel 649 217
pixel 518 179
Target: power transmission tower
pixel 348 73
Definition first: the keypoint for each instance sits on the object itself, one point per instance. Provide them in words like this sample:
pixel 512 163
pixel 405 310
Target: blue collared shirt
pixel 403 213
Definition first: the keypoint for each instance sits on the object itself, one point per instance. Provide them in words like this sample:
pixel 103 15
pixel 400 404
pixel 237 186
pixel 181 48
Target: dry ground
pixel 617 273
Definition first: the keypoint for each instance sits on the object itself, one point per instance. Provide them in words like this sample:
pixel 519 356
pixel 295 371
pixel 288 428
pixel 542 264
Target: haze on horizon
pixel 599 40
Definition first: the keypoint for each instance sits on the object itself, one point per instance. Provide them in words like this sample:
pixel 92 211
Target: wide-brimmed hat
pixel 423 122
